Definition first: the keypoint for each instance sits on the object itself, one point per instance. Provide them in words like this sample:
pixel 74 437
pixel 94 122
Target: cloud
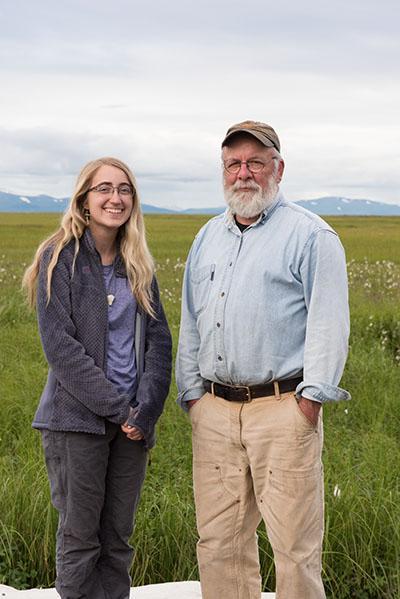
pixel 313 35
pixel 159 84
pixel 39 160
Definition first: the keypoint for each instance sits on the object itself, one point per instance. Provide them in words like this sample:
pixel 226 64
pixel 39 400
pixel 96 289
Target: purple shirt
pixel 121 363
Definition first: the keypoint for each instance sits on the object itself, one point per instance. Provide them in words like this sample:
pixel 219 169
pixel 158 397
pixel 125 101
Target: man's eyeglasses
pixel 106 189
pixel 234 166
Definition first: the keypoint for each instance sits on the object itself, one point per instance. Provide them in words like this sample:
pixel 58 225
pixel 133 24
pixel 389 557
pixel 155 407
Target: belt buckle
pixel 249 398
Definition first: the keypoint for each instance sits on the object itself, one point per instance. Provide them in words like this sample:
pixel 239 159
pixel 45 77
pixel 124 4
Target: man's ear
pixel 281 168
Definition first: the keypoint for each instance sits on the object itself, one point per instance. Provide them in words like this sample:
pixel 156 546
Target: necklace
pixel 110 283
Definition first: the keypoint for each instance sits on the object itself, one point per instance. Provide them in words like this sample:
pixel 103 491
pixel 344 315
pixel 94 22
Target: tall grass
pixel 362 450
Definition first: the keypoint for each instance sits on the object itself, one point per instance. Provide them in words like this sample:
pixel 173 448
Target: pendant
pixel 110 299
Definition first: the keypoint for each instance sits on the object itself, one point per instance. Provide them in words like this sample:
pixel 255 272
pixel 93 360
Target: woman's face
pixel 111 202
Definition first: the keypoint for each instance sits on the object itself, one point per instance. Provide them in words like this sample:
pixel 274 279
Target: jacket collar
pixel 88 243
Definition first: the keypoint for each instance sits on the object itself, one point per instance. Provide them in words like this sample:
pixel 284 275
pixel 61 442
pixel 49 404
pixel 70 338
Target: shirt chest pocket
pixel 201 279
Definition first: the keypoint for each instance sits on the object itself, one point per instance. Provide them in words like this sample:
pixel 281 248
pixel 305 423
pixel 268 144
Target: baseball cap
pixel 261 131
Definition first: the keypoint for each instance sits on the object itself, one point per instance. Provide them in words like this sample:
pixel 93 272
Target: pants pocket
pixel 302 416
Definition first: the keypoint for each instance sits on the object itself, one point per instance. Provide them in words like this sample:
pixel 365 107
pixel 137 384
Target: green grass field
pixel 362 450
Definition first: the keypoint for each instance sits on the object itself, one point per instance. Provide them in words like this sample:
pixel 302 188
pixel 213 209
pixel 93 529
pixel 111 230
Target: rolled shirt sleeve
pixel 324 277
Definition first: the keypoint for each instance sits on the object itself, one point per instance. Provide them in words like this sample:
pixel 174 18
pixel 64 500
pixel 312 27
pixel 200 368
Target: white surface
pixel 168 590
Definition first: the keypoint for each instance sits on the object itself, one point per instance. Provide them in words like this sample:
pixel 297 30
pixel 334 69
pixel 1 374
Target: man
pixel 262 345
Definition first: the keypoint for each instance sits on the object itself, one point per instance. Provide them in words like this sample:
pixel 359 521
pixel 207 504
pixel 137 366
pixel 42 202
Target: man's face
pixel 249 193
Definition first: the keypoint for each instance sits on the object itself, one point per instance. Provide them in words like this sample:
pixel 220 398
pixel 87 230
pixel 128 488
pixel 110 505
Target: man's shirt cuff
pixel 188 395
pixel 321 392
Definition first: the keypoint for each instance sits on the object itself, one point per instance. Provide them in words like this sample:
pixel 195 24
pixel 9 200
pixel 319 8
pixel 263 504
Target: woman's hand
pixel 132 432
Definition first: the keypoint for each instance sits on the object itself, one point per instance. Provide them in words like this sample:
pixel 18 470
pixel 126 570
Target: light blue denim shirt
pixel 265 305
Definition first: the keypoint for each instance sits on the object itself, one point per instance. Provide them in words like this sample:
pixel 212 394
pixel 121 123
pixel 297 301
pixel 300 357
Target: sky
pixel 157 84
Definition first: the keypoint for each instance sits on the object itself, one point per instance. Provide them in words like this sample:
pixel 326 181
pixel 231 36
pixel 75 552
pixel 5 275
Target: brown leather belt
pixel 244 393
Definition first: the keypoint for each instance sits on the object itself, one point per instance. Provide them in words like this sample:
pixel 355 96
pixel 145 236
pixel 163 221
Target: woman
pixel 108 346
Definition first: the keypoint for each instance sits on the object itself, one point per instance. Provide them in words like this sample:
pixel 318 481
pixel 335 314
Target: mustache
pixel 239 185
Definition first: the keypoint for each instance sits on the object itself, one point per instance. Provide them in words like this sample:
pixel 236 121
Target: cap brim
pixel 261 138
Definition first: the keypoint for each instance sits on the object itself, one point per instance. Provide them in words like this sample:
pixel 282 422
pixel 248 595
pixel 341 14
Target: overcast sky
pixel 157 84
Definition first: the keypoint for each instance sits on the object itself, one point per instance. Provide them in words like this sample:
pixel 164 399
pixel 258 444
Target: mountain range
pixel 338 206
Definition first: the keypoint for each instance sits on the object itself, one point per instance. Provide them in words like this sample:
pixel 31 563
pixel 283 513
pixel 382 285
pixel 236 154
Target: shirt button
pixel 218 324
pixel 220 358
pixel 222 294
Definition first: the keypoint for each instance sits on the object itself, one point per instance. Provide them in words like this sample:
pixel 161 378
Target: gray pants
pixel 95 483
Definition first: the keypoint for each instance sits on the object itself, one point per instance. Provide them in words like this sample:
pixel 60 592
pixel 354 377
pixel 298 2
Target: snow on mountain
pixel 324 206
pixel 349 207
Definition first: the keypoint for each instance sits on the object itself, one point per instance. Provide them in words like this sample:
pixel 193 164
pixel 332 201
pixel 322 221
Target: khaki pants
pixel 250 461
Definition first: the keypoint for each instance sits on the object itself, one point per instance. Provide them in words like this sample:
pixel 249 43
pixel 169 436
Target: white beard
pixel 249 204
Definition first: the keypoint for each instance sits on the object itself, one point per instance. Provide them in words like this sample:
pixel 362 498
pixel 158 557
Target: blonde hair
pixel 133 246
